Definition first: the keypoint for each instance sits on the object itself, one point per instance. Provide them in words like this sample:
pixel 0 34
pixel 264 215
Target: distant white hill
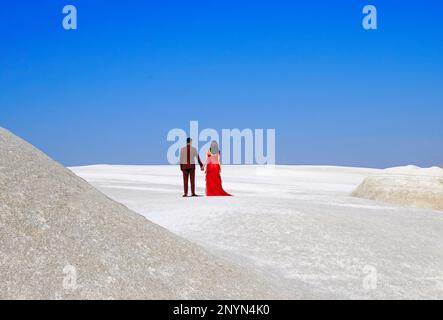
pixel 407 186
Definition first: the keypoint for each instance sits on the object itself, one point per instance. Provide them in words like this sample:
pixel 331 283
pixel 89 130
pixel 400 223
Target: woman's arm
pixel 206 160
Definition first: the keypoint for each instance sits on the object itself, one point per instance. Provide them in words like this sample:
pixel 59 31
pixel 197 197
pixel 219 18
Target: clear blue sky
pixel 336 94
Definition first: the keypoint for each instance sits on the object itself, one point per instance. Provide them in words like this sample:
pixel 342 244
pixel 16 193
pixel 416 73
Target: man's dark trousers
pixel 189 173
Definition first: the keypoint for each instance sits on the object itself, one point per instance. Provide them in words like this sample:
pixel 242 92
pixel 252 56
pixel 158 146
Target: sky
pixel 336 94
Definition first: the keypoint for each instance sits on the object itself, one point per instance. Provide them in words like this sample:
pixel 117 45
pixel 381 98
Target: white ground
pixel 298 223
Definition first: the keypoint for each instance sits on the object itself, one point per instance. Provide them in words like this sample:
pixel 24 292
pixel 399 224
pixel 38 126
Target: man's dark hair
pixel 188 140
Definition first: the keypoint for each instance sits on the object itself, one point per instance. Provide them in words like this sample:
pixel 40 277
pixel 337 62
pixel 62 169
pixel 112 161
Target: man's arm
pixel 180 159
pixel 199 161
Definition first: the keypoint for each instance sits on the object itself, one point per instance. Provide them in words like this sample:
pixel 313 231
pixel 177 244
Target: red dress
pixel 213 179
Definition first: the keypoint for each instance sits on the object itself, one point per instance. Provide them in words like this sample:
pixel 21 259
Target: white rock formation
pixel 406 186
pixel 61 238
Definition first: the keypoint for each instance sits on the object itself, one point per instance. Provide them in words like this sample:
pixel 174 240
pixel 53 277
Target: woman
pixel 213 169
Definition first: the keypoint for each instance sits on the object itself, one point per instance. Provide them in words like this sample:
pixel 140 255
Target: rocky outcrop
pixel 406 186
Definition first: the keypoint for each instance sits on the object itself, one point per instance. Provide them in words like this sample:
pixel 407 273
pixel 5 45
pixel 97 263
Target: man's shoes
pixel 195 195
pixel 184 196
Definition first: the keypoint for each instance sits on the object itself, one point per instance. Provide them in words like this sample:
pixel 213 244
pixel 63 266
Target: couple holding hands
pixel 212 168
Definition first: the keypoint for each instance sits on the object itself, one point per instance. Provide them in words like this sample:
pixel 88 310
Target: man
pixel 187 166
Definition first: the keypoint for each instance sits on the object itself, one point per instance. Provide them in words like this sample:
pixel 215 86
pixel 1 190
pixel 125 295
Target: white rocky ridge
pixel 60 238
pixel 406 186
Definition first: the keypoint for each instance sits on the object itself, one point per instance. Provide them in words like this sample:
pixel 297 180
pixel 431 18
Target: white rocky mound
pixel 406 186
pixel 60 238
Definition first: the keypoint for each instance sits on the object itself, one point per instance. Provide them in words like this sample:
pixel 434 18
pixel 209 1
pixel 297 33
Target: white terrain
pixel 299 225
pixel 289 232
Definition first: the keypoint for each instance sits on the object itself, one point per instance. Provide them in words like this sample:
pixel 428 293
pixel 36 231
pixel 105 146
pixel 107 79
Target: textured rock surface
pixel 407 186
pixel 55 227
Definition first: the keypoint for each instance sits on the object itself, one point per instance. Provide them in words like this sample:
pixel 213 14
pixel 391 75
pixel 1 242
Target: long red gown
pixel 213 178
